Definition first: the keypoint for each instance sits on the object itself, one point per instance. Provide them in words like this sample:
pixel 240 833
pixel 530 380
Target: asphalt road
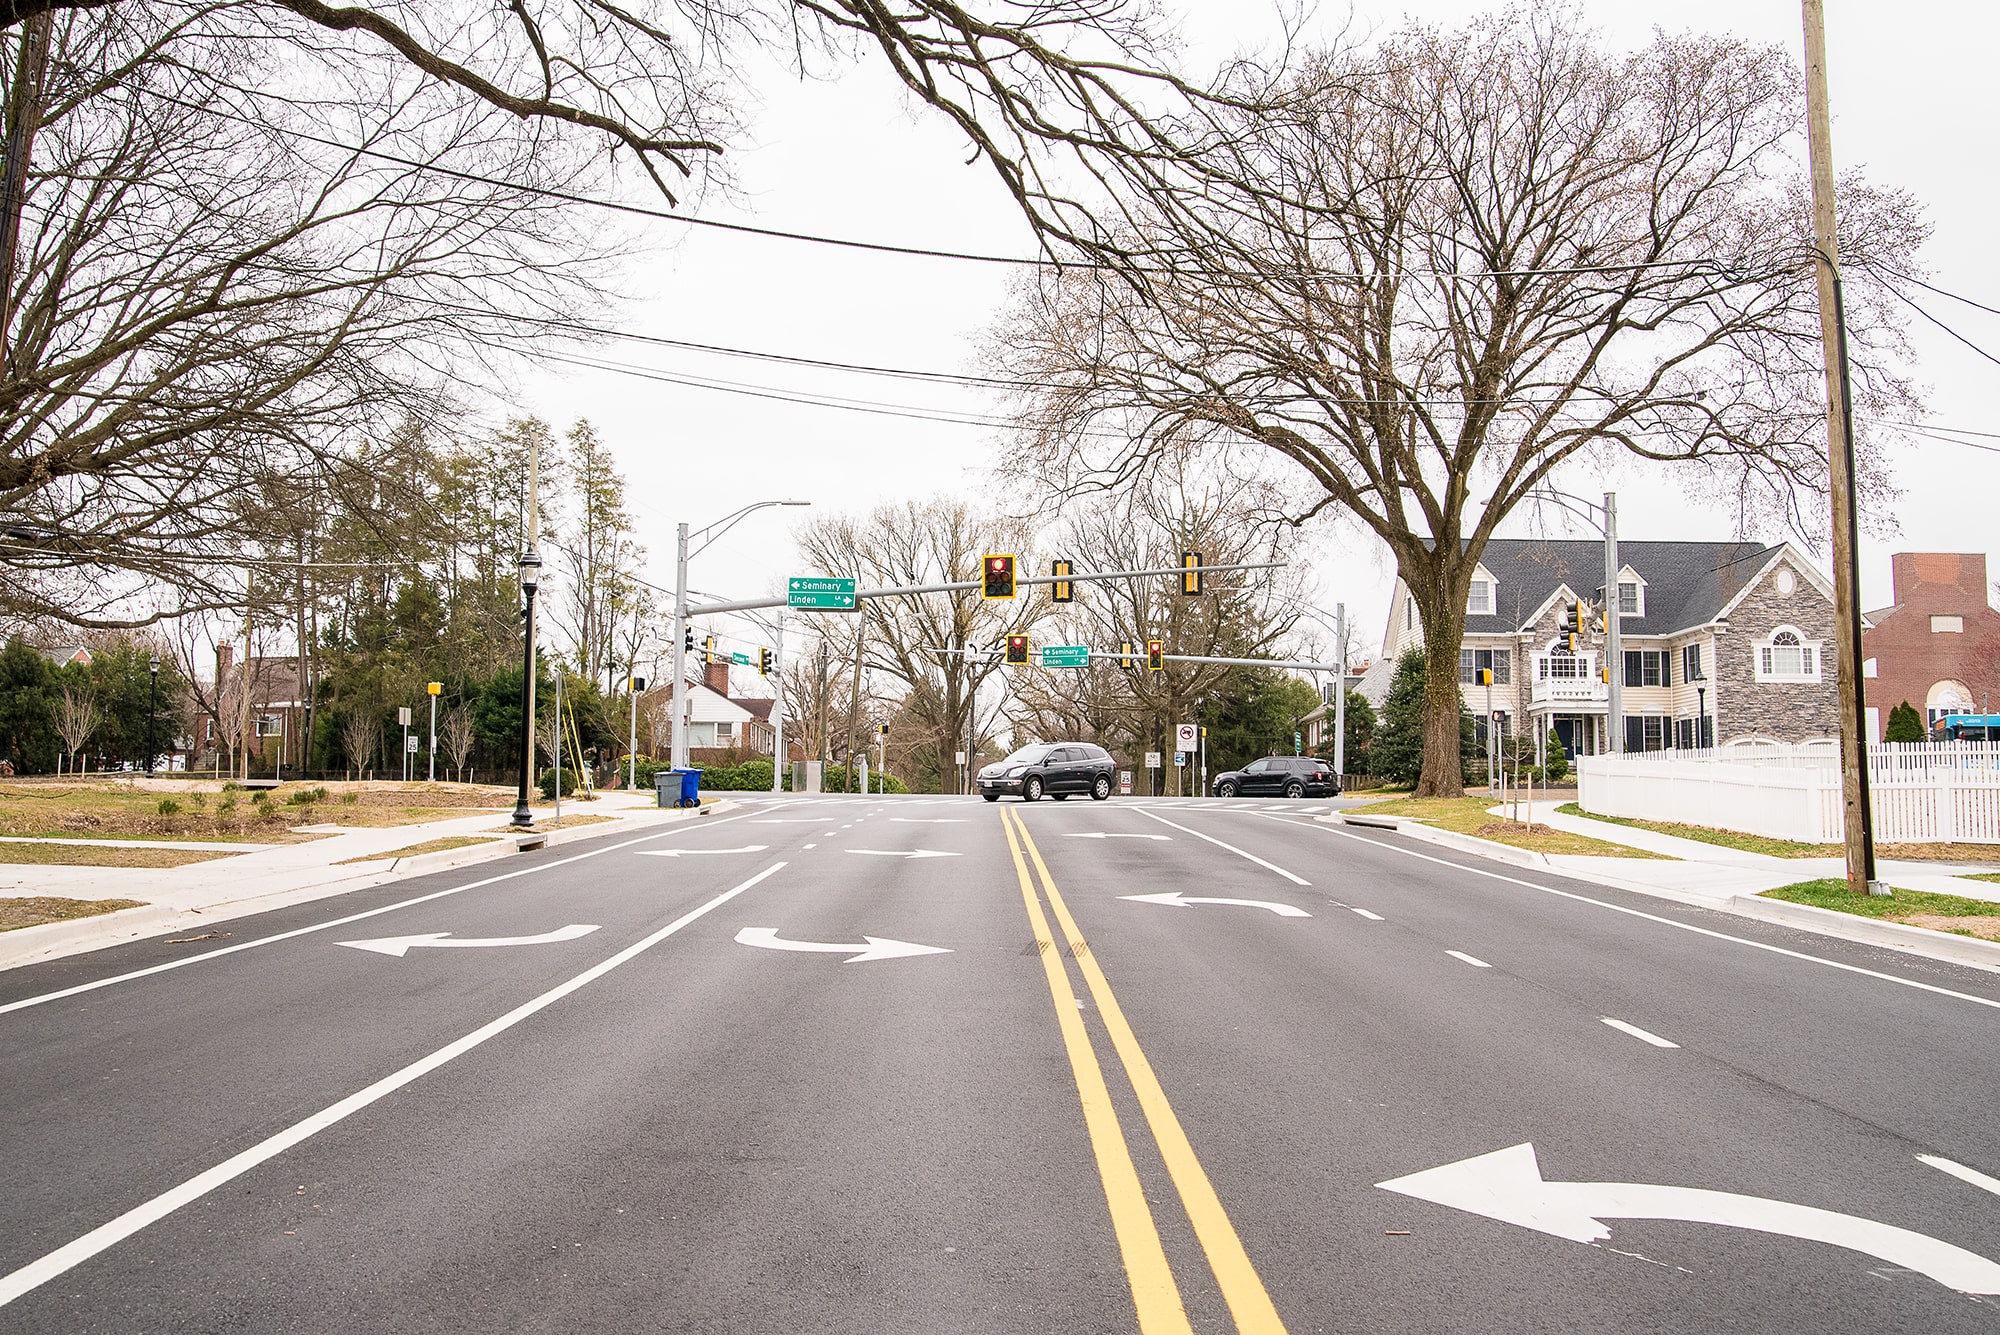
pixel 643 1107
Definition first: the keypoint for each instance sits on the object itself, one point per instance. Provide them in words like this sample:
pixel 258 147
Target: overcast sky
pixel 1910 90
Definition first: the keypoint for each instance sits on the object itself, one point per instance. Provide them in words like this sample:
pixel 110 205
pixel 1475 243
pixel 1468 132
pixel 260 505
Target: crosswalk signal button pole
pixel 996 578
pixel 1156 655
pixel 1017 651
pixel 1062 591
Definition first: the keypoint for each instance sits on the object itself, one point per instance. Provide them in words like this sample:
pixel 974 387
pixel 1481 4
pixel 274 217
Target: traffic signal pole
pixel 1614 658
pixel 677 747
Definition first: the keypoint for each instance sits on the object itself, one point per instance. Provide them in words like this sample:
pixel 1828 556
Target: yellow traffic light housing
pixel 1156 655
pixel 1062 591
pixel 1125 655
pixel 766 660
pixel 1485 676
pixel 1017 651
pixel 996 578
pixel 1191 563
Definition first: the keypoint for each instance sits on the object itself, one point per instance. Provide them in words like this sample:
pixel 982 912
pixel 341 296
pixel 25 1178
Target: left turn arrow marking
pixel 1180 901
pixel 698 852
pixel 402 945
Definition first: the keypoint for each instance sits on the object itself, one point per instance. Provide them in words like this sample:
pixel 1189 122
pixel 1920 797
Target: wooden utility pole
pixel 1858 826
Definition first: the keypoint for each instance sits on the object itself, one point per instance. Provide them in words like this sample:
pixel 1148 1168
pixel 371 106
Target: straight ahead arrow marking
pixel 869 947
pixel 1507 1185
pixel 901 853
pixel 1180 901
pixel 698 852
pixel 402 945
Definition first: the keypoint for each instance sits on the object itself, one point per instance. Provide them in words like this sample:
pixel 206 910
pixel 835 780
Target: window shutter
pixel 1635 671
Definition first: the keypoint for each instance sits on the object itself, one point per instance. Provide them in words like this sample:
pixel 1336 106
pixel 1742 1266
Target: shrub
pixel 305 797
pixel 547 783
pixel 1558 759
pixel 226 805
pixel 169 807
pixel 1905 724
pixel 348 799
pixel 200 800
pixel 231 786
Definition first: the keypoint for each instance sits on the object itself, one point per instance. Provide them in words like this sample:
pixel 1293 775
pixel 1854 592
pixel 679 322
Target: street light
pixel 531 570
pixel 682 554
pixel 152 712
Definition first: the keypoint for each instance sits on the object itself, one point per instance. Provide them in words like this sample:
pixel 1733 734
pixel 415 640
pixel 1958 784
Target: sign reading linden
pixel 1066 655
pixel 823 593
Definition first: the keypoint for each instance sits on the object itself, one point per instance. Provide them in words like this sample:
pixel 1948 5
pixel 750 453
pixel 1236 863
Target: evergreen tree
pixel 27 701
pixel 1396 754
pixel 1905 724
pixel 1557 768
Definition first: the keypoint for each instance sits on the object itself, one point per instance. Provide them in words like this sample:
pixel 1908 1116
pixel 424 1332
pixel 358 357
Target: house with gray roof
pixel 1721 642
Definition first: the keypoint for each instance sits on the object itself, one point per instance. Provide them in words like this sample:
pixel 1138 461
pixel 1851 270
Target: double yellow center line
pixel 1154 1292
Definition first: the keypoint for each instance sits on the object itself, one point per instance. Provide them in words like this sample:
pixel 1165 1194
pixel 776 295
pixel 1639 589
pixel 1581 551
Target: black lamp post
pixel 1700 716
pixel 531 568
pixel 152 712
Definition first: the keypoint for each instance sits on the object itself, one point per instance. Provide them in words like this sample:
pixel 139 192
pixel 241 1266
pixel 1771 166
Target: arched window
pixel 1788 656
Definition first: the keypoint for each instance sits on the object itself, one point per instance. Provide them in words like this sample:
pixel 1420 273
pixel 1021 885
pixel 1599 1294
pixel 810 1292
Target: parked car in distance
pixel 1279 776
pixel 1055 768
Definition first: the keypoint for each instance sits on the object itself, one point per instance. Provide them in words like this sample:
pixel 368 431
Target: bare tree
pixel 937 646
pixel 458 735
pixel 1424 277
pixel 77 717
pixel 359 732
pixel 227 719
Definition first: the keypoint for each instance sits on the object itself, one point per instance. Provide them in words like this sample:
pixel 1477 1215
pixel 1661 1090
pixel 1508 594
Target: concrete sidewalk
pixel 1711 871
pixel 272 876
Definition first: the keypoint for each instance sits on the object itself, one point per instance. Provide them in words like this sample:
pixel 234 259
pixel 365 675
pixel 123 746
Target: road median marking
pixel 1268 866
pixel 1154 1295
pixel 1242 1289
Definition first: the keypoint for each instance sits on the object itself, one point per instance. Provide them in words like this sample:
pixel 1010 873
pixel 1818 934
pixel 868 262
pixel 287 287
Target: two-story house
pixel 1720 641
pixel 1938 646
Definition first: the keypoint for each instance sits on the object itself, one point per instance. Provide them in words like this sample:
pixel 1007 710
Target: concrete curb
pixel 58 940
pixel 1966 950
pixel 1463 843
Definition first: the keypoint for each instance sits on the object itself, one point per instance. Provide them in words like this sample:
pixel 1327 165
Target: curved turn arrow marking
pixel 869 947
pixel 403 945
pixel 1507 1185
pixel 901 853
pixel 1180 901
pixel 698 852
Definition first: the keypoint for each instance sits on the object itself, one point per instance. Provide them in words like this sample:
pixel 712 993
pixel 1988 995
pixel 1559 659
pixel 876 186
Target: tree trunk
pixel 1439 592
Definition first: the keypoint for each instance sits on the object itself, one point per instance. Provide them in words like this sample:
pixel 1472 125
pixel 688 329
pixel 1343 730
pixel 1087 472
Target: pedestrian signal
pixel 1156 655
pixel 997 577
pixel 1017 651
pixel 1062 591
pixel 1191 574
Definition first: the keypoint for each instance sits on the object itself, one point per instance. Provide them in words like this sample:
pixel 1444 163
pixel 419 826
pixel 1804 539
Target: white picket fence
pixel 1923 792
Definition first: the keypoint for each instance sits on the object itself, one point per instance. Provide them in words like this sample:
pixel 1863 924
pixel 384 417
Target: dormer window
pixel 1628 598
pixel 1479 602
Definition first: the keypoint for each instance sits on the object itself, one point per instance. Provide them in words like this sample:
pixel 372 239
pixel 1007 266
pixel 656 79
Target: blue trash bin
pixel 678 787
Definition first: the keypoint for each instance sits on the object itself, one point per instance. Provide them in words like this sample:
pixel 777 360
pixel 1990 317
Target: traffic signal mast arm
pixel 1020 581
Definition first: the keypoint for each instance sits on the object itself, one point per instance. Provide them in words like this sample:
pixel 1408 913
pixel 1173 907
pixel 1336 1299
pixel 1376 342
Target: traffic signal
pixel 635 684
pixel 1156 655
pixel 1190 574
pixel 766 660
pixel 1062 591
pixel 708 649
pixel 1017 650
pixel 1125 655
pixel 1485 676
pixel 996 579
pixel 690 639
pixel 884 730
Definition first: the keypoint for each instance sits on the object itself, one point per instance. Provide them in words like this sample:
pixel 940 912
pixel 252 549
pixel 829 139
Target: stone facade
pixel 1782 711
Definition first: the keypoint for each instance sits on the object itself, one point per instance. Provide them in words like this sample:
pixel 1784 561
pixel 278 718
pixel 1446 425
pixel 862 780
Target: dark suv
pixel 1055 768
pixel 1288 776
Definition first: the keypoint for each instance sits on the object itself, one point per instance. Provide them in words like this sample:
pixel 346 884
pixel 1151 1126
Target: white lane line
pixel 1268 866
pixel 1709 932
pixel 25 1002
pixel 1372 917
pixel 812 845
pixel 1469 959
pixel 1961 1172
pixel 38 1272
pixel 1638 1033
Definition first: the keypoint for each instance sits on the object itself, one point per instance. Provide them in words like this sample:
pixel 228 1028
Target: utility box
pixel 678 787
pixel 807 775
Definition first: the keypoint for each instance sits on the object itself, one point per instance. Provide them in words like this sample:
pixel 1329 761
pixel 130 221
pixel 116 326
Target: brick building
pixel 1938 646
pixel 1721 641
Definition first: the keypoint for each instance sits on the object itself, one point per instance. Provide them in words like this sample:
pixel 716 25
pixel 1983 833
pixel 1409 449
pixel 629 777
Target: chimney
pixel 1949 581
pixel 716 677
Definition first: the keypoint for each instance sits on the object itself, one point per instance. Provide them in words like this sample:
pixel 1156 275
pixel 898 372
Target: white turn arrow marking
pixel 869 947
pixel 1181 901
pixel 1099 834
pixel 1507 1185
pixel 927 820
pixel 402 945
pixel 901 853
pixel 698 852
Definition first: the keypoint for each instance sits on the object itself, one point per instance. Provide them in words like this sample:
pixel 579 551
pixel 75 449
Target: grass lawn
pixel 551 823
pixel 1748 843
pixel 38 909
pixel 1982 876
pixel 76 855
pixel 445 844
pixel 123 808
pixel 1943 913
pixel 1468 815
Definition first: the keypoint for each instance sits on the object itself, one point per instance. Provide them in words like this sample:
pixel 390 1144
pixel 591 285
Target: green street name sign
pixel 1066 655
pixel 741 660
pixel 822 593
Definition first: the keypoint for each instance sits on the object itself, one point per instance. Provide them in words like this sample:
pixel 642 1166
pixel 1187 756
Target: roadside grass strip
pixel 39 1272
pixel 1913 908
pixel 35 910
pixel 17 853
pixel 1242 1289
pixel 1787 848
pixel 443 845
pixel 1470 815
